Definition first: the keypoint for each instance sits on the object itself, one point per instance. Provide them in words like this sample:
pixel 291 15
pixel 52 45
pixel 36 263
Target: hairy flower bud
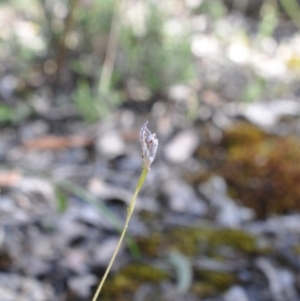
pixel 149 144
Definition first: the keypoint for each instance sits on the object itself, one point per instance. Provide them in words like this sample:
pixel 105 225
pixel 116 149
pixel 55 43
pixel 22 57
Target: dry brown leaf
pixel 130 135
pixel 57 143
pixel 9 178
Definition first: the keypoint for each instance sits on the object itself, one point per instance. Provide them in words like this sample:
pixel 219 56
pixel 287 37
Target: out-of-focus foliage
pixel 147 56
pixel 14 115
pixel 155 58
pixel 62 45
pixel 55 49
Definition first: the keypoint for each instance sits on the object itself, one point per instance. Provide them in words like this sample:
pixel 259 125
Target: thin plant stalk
pixel 149 144
pixel 129 214
pixel 111 50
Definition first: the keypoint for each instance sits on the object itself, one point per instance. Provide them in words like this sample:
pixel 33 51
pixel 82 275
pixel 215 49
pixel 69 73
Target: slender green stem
pixel 129 213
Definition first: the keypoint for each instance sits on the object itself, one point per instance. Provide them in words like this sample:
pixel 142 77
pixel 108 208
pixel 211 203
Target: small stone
pixel 105 191
pixel 81 285
pixel 228 213
pixel 179 92
pixel 110 144
pixel 37 186
pixel 264 114
pixel 182 146
pixel 183 199
pixel 104 251
pixel 236 293
pixel 70 230
pixel 76 260
pixel 33 130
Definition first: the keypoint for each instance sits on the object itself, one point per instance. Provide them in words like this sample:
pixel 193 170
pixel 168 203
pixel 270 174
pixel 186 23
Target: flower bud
pixel 149 144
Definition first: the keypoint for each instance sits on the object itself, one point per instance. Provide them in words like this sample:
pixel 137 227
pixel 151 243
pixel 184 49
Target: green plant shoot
pixel 149 144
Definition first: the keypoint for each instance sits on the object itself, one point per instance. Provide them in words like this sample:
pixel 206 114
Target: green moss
pixel 262 170
pixel 243 134
pixel 142 272
pixel 297 249
pixel 151 245
pixel 189 241
pixel 193 241
pixel 127 281
pixel 203 290
pixel 236 239
pixel 220 281
pixel 186 241
pixel 209 283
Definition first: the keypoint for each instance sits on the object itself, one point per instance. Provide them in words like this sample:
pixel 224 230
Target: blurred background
pixel 218 217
